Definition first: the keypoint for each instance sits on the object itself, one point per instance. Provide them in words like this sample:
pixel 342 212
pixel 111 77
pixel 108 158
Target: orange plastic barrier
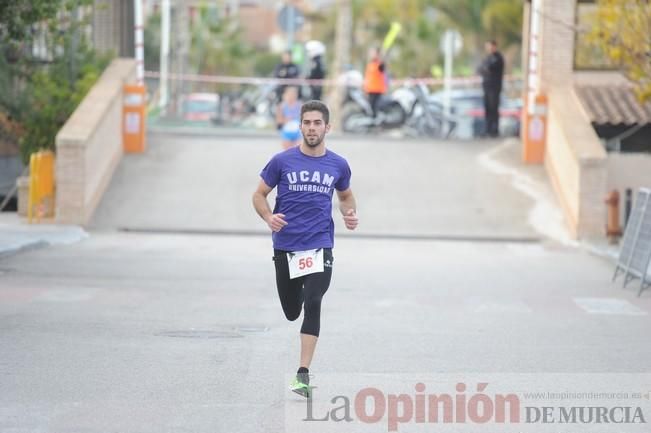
pixel 41 185
pixel 534 131
pixel 133 118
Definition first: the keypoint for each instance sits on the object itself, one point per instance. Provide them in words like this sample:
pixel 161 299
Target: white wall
pixel 89 146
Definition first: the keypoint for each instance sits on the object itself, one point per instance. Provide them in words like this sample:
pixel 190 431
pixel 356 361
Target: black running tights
pixel 306 291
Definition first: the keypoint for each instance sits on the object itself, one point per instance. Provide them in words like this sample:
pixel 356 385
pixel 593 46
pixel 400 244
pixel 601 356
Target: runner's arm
pixel 261 205
pixel 348 208
pixel 346 201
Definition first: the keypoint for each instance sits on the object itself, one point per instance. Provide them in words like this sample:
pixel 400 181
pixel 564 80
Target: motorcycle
pixel 357 114
pixel 425 117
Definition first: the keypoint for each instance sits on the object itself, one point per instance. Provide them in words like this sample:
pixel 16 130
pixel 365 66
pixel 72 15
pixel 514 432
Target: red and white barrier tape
pixel 224 79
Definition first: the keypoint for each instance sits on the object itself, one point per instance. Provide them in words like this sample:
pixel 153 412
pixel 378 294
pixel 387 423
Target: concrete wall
pixel 22 185
pixel 575 159
pixel 580 170
pixel 628 170
pixel 89 146
pixel 556 44
pixel 577 165
pixel 600 78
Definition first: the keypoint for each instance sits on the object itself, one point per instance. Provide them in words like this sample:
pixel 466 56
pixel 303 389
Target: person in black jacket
pixel 492 71
pixel 315 52
pixel 285 69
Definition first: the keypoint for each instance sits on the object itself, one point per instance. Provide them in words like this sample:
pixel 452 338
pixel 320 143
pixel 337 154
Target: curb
pixel 27 246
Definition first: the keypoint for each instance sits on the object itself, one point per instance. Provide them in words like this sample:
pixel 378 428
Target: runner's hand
pixel 276 222
pixel 350 219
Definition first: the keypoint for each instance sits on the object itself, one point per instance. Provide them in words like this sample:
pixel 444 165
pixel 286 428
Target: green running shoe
pixel 301 385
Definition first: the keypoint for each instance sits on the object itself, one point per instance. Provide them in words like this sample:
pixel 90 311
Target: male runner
pixel 302 226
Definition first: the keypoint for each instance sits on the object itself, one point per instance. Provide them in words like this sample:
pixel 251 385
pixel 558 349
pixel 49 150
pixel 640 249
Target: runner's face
pixel 313 128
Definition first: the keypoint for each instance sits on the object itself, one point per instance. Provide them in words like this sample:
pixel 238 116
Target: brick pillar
pixel 113 27
pixel 557 43
pixel 71 183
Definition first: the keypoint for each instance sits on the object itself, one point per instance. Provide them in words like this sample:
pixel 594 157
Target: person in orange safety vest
pixel 375 83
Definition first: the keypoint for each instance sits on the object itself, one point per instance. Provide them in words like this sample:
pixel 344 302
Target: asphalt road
pixel 161 330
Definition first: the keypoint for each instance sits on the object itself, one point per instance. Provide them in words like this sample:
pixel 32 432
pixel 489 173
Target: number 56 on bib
pixel 305 262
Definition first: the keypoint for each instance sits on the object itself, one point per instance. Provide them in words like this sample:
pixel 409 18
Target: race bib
pixel 305 262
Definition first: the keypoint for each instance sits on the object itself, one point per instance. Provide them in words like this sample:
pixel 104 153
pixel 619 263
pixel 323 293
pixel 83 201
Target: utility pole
pixel 234 8
pixel 139 40
pixel 164 55
pixel 448 50
pixel 181 51
pixel 291 21
pixel 342 57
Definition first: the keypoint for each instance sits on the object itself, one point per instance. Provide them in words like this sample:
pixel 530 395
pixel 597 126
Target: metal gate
pixel 635 252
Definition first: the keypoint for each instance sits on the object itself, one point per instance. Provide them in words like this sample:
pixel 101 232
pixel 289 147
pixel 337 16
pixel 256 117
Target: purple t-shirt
pixel 305 185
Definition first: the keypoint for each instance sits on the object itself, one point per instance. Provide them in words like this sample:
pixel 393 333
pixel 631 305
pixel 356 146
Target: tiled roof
pixel 613 105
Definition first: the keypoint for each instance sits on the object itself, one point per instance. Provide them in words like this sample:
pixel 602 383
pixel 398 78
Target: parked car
pixel 467 106
pixel 200 107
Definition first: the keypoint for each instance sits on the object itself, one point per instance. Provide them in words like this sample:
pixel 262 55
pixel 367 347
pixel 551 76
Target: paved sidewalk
pixel 17 235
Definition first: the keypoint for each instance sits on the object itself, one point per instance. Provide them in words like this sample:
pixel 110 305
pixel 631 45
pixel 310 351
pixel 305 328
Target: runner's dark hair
pixel 316 106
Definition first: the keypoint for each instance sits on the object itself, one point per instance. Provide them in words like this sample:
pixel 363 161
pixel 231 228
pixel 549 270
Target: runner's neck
pixel 320 150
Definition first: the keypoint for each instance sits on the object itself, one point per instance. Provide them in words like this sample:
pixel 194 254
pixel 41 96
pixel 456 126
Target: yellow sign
pixel 391 36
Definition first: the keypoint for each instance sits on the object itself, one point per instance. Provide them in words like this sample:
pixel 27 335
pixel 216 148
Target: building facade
pixel 591 110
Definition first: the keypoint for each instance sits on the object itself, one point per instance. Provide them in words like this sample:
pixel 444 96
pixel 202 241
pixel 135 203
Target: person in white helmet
pixel 315 51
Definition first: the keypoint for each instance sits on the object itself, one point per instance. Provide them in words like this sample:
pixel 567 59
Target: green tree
pixel 55 94
pixel 264 64
pixel 502 20
pixel 622 30
pixel 152 34
pixel 39 94
pixel 217 45
pixel 18 16
pixel 416 50
pixel 466 17
pixel 18 20
pixel 480 20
